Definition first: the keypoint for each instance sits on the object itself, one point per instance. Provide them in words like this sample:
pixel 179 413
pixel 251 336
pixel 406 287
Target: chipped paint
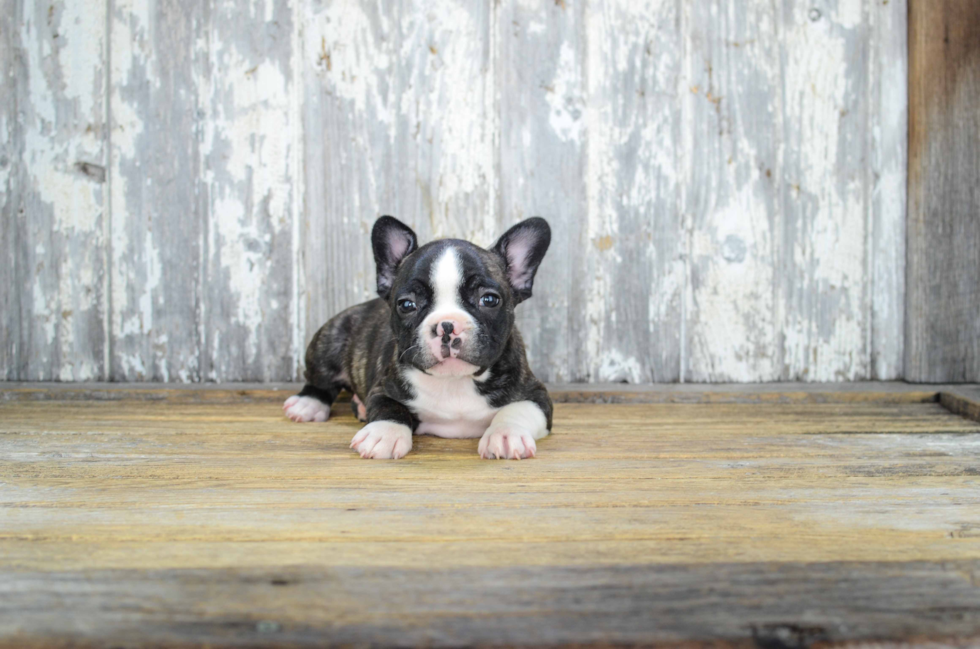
pixel 249 153
pixel 60 122
pixel 567 105
pixel 705 167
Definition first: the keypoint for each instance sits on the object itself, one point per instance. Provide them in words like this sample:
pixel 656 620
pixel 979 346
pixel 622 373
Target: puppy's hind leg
pixel 324 376
pixel 360 410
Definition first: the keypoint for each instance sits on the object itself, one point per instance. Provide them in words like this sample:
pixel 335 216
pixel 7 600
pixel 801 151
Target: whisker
pixel 402 355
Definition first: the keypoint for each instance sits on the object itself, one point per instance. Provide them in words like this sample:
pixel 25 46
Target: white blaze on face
pixel 446 278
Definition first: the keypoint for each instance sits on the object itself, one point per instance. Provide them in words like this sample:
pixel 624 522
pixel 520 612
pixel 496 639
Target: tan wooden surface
pixel 115 516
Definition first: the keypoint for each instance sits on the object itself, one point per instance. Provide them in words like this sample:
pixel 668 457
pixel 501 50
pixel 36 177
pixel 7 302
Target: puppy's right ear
pixel 392 241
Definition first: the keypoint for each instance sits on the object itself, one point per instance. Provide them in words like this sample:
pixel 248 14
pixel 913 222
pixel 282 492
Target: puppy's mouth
pixel 453 366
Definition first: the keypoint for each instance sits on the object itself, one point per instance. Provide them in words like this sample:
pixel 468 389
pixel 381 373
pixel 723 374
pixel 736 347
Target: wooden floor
pixel 775 517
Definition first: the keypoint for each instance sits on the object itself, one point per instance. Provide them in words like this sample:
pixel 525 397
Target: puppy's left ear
pixel 392 241
pixel 523 248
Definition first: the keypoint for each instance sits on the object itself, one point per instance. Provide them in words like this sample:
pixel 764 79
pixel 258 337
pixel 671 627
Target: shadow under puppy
pixel 437 352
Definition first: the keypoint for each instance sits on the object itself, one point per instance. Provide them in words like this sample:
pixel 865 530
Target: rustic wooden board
pixel 560 393
pixel 721 605
pixel 724 179
pixel 541 91
pixel 634 244
pixel 11 182
pixel 54 218
pixel 399 120
pixel 204 159
pixel 249 317
pixel 158 188
pixel 732 93
pixel 943 335
pixel 963 400
pixel 221 522
pixel 888 166
pixel 825 191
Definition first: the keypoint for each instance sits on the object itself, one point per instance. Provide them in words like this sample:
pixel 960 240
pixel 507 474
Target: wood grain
pixel 888 162
pixel 249 317
pixel 11 182
pixel 721 605
pixel 220 522
pixel 943 330
pixel 826 210
pixel 54 217
pixel 724 179
pixel 599 393
pixel 541 86
pixel 399 120
pixel 159 192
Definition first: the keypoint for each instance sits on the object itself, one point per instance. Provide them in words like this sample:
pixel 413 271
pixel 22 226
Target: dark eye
pixel 490 300
pixel 406 306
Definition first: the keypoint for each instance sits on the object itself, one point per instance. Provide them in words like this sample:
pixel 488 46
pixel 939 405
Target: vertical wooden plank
pixel 248 318
pixel 888 108
pixel 158 65
pixel 541 88
pixel 825 265
pixel 633 245
pixel 732 94
pixel 57 211
pixel 943 304
pixel 11 180
pixel 400 116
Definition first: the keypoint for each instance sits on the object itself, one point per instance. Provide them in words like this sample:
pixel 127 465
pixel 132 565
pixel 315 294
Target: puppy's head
pixel 452 303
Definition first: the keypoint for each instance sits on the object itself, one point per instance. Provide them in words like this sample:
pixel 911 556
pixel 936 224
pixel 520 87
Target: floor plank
pixel 214 522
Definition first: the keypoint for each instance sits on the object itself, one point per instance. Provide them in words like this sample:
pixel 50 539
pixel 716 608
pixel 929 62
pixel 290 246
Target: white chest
pixel 449 406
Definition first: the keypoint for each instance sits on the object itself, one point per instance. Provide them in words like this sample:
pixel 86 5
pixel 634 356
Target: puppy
pixel 437 352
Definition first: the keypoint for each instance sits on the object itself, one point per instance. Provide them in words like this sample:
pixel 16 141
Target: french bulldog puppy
pixel 437 352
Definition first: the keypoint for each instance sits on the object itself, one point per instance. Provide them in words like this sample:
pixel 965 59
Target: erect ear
pixel 523 248
pixel 392 241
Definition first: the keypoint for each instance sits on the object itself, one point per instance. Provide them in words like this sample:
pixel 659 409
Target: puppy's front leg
pixel 512 432
pixel 388 436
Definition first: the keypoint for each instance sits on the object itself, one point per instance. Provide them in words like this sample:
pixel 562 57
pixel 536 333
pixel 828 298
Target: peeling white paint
pixel 832 249
pixel 850 13
pixel 567 105
pixel 735 327
pixel 61 121
pixel 249 153
pixel 616 368
pixel 736 148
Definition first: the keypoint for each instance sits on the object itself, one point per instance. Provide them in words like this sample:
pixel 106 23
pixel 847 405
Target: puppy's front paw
pixel 383 440
pixel 506 443
pixel 302 409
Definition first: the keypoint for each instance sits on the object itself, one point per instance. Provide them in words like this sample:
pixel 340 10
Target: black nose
pixel 447 327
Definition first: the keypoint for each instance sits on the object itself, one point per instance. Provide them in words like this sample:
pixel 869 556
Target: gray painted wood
pixel 11 147
pixel 943 305
pixel 399 120
pixel 54 216
pixel 633 248
pixel 714 604
pixel 725 180
pixel 158 188
pixel 541 92
pixel 824 243
pixel 248 311
pixel 732 91
pixel 202 195
pixel 888 87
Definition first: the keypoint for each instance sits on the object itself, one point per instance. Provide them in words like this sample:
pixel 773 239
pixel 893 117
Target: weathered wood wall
pixel 725 179
pixel 943 308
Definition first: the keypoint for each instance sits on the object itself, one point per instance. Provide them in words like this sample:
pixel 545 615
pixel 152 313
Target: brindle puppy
pixel 437 352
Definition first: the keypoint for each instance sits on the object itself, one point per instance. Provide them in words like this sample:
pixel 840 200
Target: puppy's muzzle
pixel 445 334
